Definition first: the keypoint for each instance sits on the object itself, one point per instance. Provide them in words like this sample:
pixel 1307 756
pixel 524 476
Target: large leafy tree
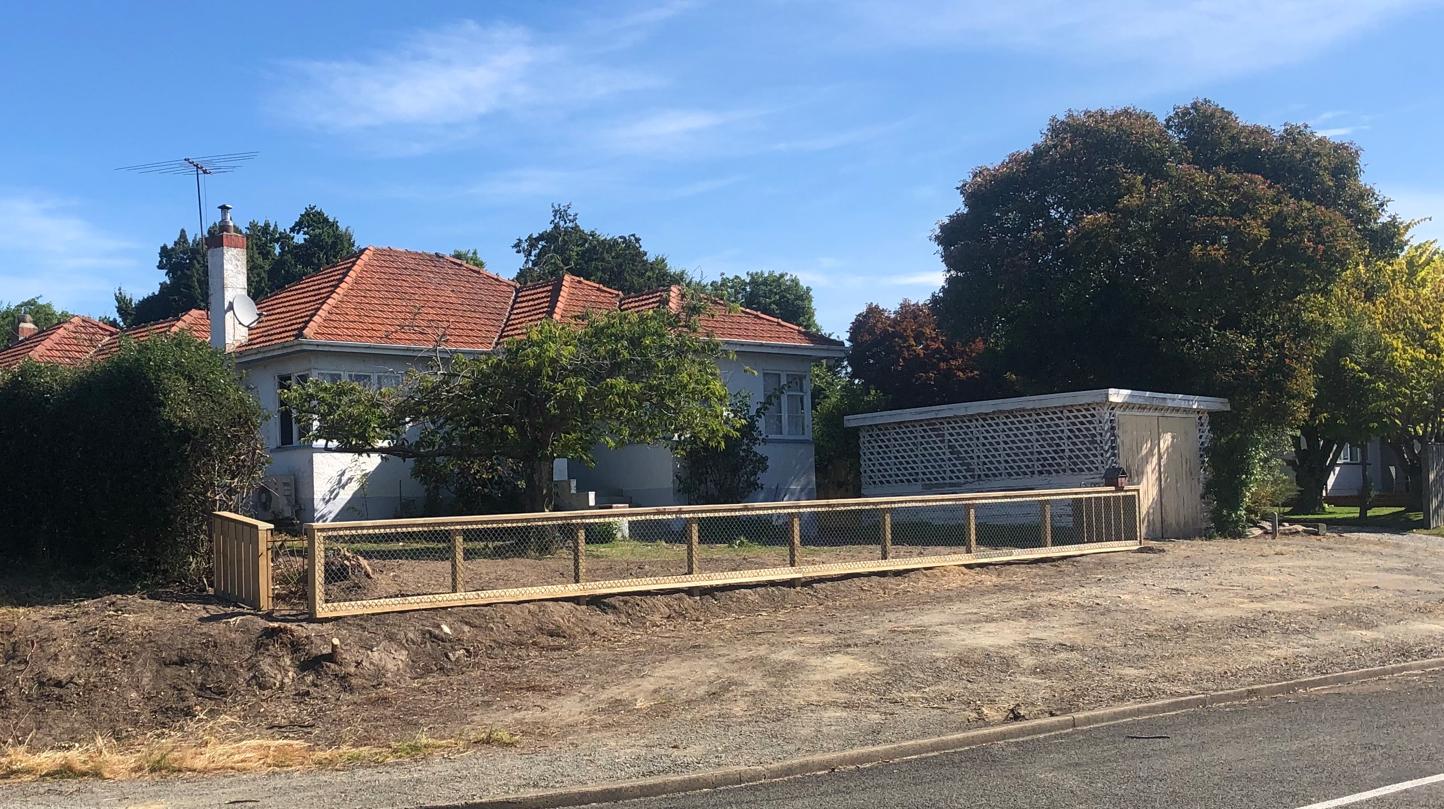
pixel 1185 254
pixel 42 314
pixel 615 261
pixel 905 354
pixel 559 392
pixel 275 257
pixel 780 294
pixel 1405 374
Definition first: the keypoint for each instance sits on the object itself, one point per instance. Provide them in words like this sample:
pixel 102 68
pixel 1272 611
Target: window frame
pixel 785 420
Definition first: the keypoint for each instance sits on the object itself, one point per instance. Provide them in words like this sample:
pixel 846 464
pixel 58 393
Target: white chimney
pixel 226 271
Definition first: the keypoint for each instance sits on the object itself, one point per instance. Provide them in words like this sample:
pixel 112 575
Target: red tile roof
pixel 562 298
pixel 387 296
pixel 725 322
pixel 196 323
pixel 69 342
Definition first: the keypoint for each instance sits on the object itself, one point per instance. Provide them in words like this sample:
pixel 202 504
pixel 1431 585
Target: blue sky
pixel 820 138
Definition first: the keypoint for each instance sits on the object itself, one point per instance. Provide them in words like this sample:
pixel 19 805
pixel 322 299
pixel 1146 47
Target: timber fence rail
pixel 376 566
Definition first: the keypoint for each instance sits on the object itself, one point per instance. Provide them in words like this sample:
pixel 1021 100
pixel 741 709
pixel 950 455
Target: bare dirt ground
pixel 642 685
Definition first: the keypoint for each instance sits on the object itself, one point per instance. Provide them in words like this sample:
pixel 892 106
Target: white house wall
pixel 335 485
pixel 646 475
pixel 339 486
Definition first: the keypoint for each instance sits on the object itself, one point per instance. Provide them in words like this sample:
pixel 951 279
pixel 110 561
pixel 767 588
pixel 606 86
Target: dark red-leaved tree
pixel 904 354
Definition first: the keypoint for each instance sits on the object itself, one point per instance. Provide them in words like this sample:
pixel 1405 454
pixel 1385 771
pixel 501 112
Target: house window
pixel 285 422
pixel 1349 454
pixel 387 381
pixel 787 414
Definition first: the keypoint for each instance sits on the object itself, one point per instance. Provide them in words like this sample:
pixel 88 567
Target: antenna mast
pixel 198 167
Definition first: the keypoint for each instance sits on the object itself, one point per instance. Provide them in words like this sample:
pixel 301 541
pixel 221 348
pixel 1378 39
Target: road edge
pixel 879 754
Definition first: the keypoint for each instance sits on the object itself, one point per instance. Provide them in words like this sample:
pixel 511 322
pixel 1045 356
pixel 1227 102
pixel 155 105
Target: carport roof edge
pixel 1179 401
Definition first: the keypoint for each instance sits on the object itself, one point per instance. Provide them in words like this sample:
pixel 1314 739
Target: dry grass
pixel 107 759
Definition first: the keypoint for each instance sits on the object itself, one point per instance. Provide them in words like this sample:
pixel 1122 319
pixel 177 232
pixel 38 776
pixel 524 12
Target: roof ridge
pixel 321 311
pixel 597 284
pixel 454 260
pixel 559 293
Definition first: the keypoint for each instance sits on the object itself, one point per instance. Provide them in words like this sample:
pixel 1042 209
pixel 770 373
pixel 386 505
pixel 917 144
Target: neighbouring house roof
pixel 1102 396
pixel 68 342
pixel 195 322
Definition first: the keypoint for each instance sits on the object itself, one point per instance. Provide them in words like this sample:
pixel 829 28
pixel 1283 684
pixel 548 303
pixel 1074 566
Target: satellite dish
pixel 245 310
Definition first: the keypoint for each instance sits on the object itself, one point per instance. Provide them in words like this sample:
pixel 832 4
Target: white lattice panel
pixel 1048 446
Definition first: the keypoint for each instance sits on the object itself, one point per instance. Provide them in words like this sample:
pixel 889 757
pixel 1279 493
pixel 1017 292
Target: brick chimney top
pixel 26 327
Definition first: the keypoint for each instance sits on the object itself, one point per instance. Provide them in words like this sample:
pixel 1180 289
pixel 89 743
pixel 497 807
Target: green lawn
pixel 1383 516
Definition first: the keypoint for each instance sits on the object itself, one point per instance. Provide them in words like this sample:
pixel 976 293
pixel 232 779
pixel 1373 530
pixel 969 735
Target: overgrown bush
pixel 732 471
pixel 1273 491
pixel 113 468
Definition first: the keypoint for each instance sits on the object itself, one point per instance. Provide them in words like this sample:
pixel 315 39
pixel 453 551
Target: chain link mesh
pixel 442 562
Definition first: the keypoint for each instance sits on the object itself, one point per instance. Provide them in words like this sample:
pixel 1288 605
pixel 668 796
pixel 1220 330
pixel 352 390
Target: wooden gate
pixel 1161 454
pixel 241 559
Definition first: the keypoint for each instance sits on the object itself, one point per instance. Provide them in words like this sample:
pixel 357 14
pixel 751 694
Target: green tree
pixel 561 391
pixel 615 261
pixel 732 471
pixel 275 257
pixel 780 294
pixel 42 314
pixel 125 491
pixel 470 256
pixel 905 354
pixel 1181 255
pixel 838 460
pixel 316 241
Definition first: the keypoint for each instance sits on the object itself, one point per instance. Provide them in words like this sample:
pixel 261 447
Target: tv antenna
pixel 200 167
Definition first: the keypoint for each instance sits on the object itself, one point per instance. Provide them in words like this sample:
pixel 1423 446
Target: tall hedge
pixel 113 468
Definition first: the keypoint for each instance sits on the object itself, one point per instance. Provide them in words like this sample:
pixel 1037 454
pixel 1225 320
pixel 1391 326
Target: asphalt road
pixel 1281 753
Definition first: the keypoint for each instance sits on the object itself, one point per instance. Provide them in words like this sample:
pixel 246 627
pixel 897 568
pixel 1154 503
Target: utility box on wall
pixel 1055 441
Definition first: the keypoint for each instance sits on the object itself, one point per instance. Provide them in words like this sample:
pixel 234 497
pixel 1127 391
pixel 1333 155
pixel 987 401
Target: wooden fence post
pixel 458 556
pixel 887 533
pixel 693 542
pixel 1047 523
pixel 316 571
pixel 579 553
pixel 794 545
pixel 972 528
pixel 262 561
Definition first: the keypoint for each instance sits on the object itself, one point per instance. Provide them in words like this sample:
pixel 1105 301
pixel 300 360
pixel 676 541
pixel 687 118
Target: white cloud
pixel 1185 39
pixel 453 76
pixel 674 129
pixel 48 249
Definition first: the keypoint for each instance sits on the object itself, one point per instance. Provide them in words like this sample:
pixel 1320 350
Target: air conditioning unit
pixel 275 499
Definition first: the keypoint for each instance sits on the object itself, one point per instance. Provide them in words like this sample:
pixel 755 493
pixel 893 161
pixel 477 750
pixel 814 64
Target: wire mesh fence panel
pixel 624 549
pixel 400 564
pixel 835 536
pixel 288 571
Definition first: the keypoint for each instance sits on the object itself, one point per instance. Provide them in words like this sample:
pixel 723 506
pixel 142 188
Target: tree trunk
pixel 1412 461
pixel 1314 459
pixel 1366 482
pixel 537 494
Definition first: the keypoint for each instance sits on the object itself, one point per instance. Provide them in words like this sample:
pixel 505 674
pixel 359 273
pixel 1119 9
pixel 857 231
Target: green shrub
pixel 114 467
pixel 602 533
